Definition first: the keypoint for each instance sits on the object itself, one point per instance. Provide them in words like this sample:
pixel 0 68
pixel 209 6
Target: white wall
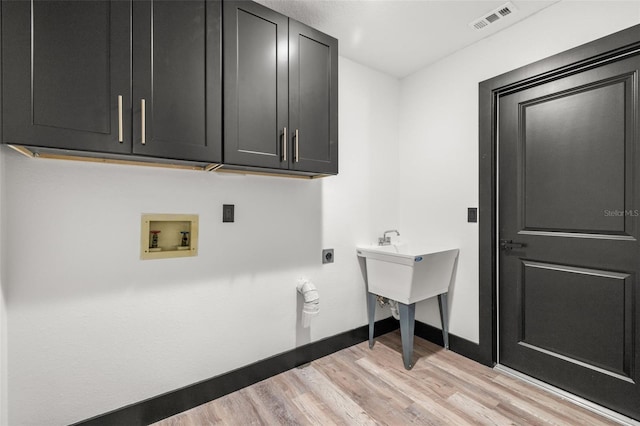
pixel 439 122
pixel 92 328
pixel 3 360
pixel 3 312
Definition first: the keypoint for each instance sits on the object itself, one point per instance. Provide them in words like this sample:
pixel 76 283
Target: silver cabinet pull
pixel 143 121
pixel 296 154
pixel 120 136
pixel 284 144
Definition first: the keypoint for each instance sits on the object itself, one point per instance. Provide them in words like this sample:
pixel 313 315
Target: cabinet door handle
pixel 284 144
pixel 143 121
pixel 120 135
pixel 296 155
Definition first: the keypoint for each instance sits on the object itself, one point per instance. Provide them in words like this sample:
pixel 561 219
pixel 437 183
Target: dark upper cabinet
pixel 65 73
pixel 255 85
pixel 177 87
pixel 313 99
pixel 143 79
pixel 67 79
pixel 280 92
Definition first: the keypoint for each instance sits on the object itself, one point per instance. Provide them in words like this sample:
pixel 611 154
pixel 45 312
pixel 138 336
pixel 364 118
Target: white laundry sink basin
pixel 401 273
pixel 406 275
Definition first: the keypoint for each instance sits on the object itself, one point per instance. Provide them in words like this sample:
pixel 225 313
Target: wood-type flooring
pixel 362 386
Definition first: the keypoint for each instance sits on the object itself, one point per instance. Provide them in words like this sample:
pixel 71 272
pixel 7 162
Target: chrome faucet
pixel 384 240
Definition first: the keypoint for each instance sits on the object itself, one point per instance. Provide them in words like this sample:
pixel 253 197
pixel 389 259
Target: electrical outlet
pixel 327 256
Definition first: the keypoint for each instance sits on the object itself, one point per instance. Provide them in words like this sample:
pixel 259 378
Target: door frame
pixel 609 48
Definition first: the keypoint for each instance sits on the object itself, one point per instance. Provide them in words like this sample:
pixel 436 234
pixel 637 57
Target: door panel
pixel 258 87
pixel 569 192
pixel 315 87
pixel 256 94
pixel 60 92
pixel 561 174
pixel 177 71
pixel 64 65
pixel 573 300
pixel 313 90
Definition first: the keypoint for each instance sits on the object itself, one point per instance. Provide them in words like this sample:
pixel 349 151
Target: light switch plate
pixel 228 212
pixel 472 214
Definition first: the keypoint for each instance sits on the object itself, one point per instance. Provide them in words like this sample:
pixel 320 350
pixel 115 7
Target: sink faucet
pixel 384 240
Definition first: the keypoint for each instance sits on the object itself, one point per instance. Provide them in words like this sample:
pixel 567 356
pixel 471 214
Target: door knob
pixel 507 245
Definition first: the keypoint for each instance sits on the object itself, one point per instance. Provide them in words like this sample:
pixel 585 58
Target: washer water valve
pixel 184 242
pixel 154 241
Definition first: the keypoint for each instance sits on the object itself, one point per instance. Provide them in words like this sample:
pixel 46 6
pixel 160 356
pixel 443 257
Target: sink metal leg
pixel 371 311
pixel 444 318
pixel 407 328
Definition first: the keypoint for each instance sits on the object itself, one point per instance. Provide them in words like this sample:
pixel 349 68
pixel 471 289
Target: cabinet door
pixel 177 76
pixel 313 99
pixel 255 94
pixel 65 66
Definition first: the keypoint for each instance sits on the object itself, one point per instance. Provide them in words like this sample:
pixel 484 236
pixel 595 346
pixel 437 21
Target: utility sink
pixel 401 273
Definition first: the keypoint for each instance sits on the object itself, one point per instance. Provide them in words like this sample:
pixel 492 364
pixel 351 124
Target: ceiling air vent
pixel 480 24
pixel 493 16
pixel 504 11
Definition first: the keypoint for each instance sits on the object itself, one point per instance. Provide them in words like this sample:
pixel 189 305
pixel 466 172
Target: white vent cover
pixel 493 16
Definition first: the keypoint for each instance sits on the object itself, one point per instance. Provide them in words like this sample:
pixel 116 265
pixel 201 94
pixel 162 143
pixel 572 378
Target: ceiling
pixel 400 37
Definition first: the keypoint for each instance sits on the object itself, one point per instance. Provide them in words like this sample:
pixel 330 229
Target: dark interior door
pixel 66 74
pixel 313 99
pixel 255 86
pixel 177 71
pixel 569 192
